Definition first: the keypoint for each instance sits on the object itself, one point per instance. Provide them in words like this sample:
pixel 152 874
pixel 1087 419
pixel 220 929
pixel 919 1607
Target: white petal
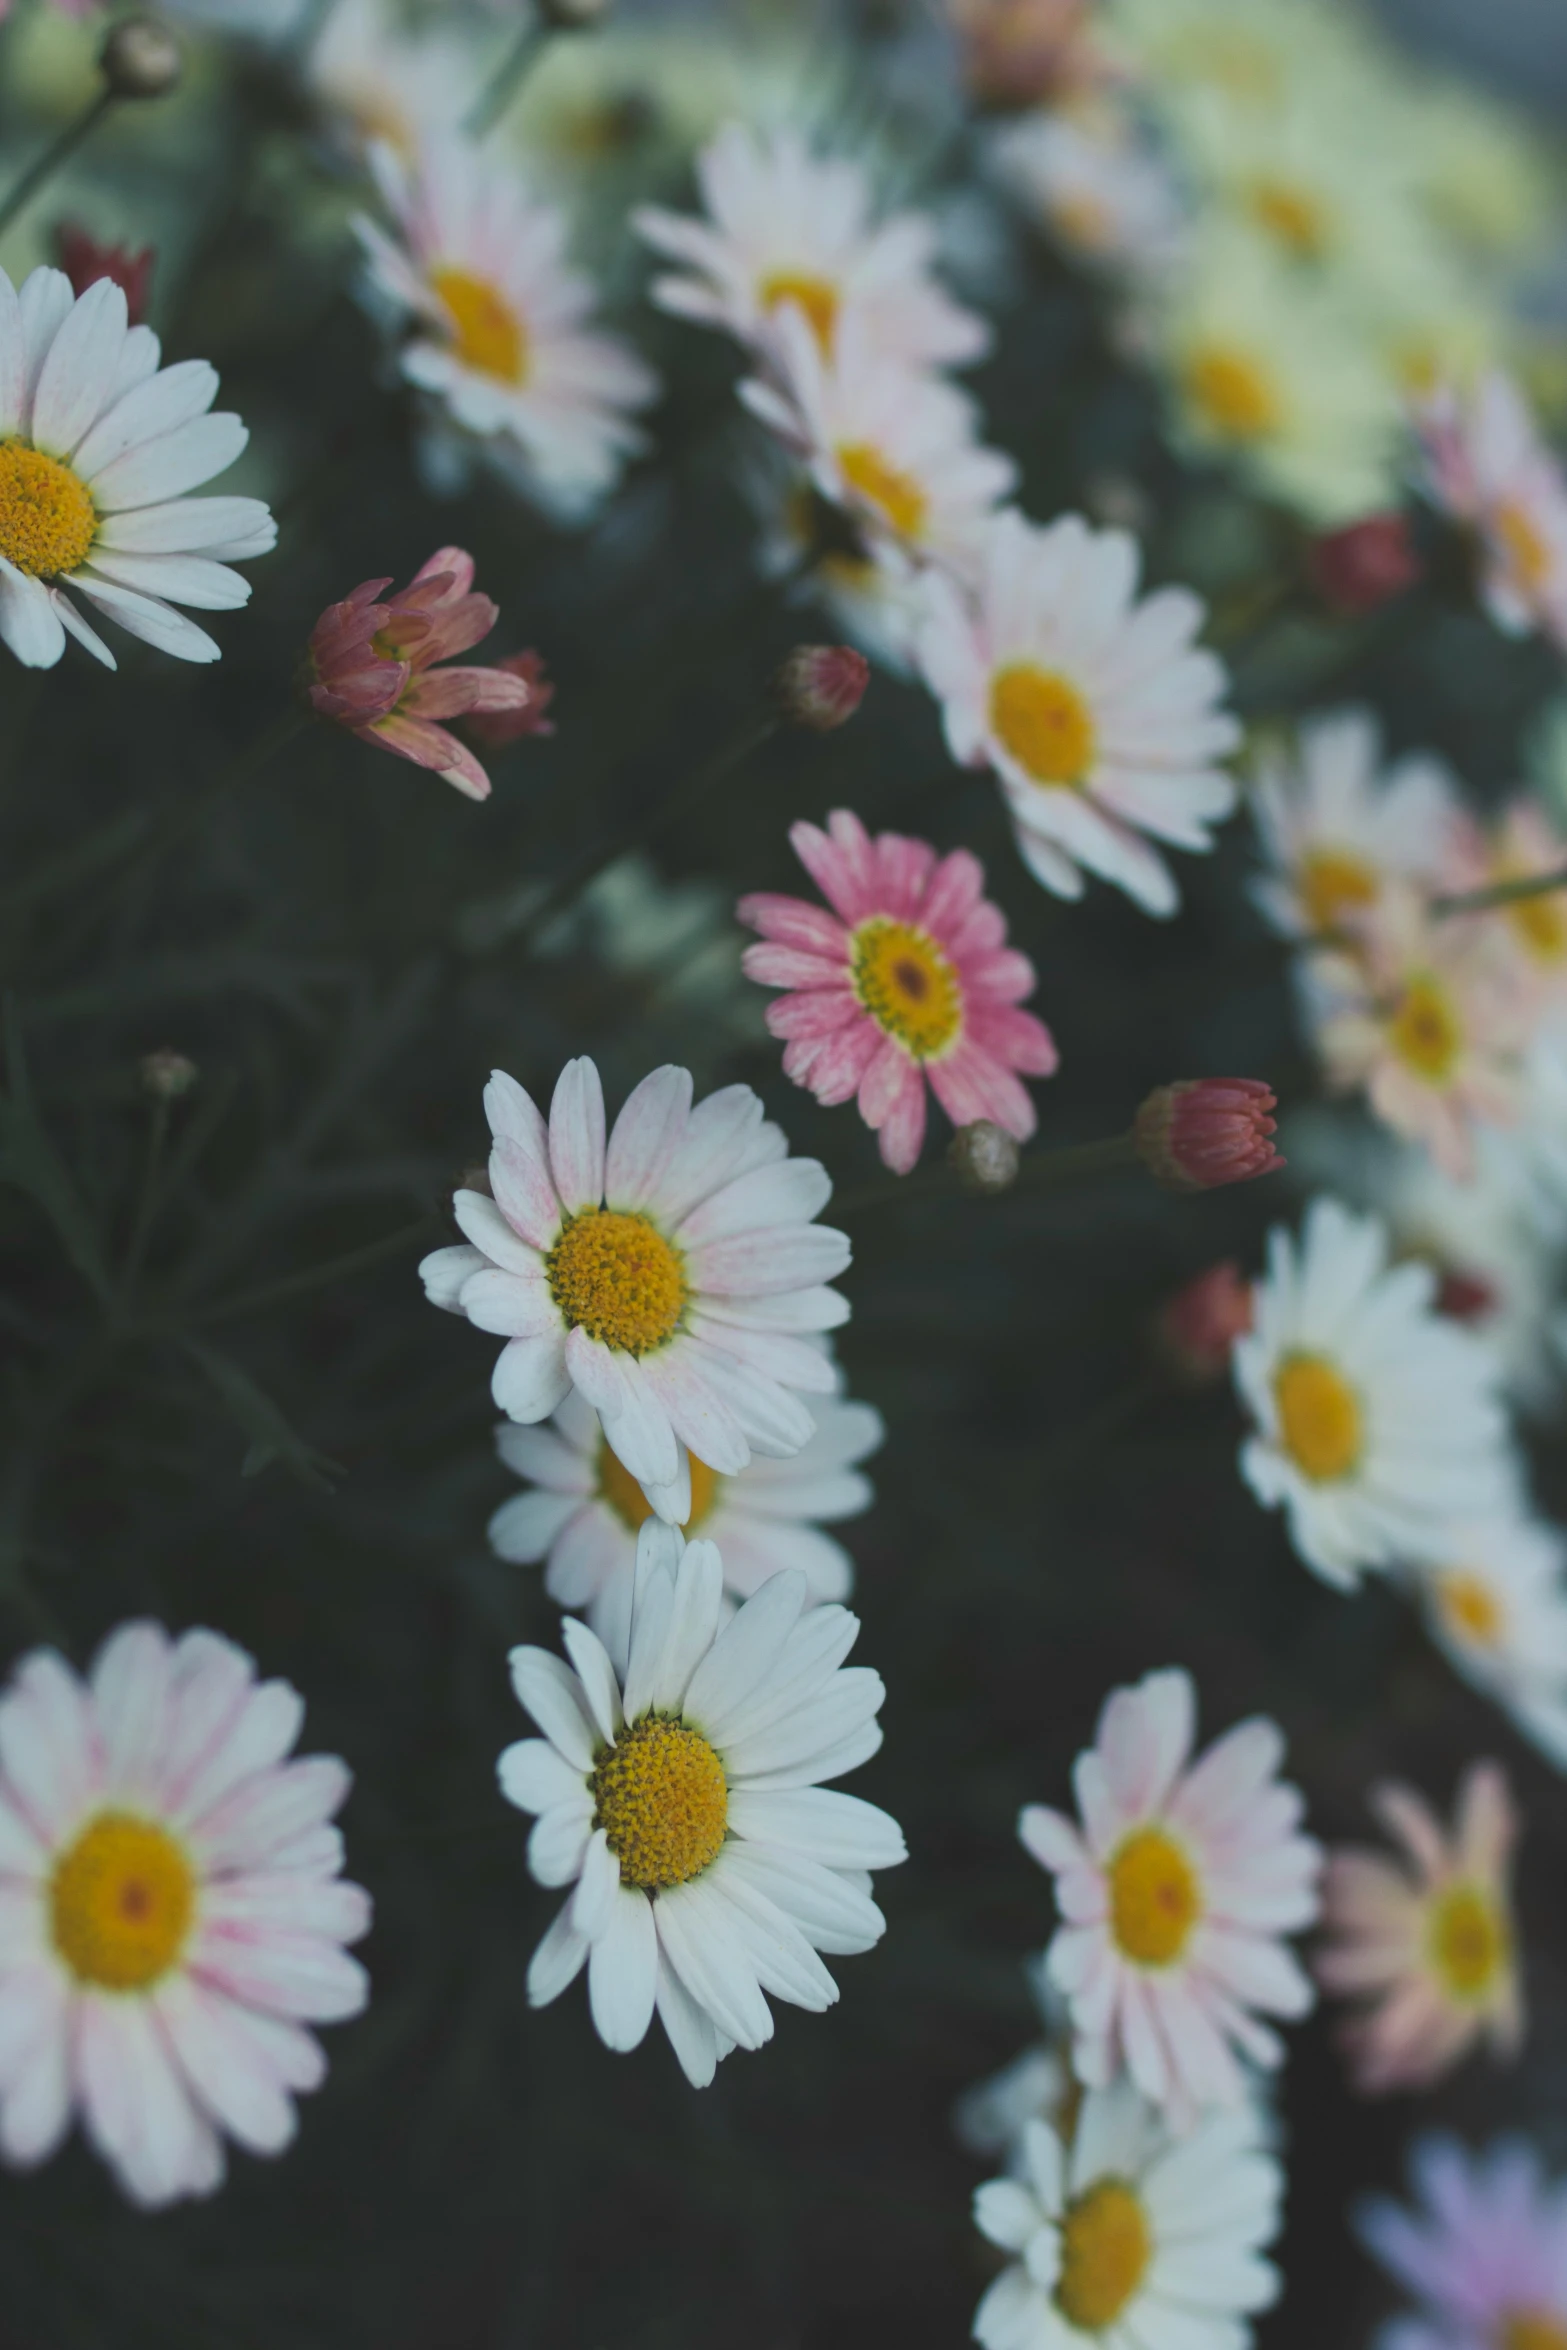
pixel 77 377
pixel 623 1971
pixel 158 471
pixel 551 1692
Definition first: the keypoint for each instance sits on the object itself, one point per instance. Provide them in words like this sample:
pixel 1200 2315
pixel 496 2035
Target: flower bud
pixel 167 1074
pixel 84 261
pixel 821 686
pixel 495 728
pixel 1195 1331
pixel 1204 1131
pixel 984 1156
pixel 140 58
pixel 1364 566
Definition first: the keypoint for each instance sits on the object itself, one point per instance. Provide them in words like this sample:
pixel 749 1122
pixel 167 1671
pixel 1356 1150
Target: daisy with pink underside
pixel 1425 1942
pixel 172 1912
pixel 908 981
pixel 1175 1894
pixel 1487 468
pixel 1483 2254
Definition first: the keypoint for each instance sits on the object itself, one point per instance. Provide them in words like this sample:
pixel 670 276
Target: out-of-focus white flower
pixel 1099 193
pixel 786 226
pixel 1496 1604
pixel 1176 1894
pixel 380 80
pixel 585 1511
pixel 1038 2086
pixel 681 1801
pixel 98 447
pixel 1377 1421
pixel 496 323
pixel 1098 714
pixel 1337 827
pixel 1484 2253
pixel 1487 468
pixel 1257 58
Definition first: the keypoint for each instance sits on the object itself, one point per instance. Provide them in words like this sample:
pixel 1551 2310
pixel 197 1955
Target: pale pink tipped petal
pixel 138 2112
pixel 577 1143
pixel 429 745
pixel 49 1749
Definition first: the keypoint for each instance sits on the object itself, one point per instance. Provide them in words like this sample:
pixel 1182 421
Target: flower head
pixel 1120 2232
pixel 907 982
pixel 1202 1132
pixel 1097 712
pixel 174 1909
pixel 681 1799
pixel 371 667
pixel 1495 1601
pixel 1100 194
pixel 1336 828
pixel 1175 1895
pixel 820 687
pixel 1488 469
pixel 1425 1942
pixel 1028 52
pixel 1484 2253
pixel 670 1272
pixel 85 260
pixel 98 447
pixel 1377 1421
pixel 1196 1329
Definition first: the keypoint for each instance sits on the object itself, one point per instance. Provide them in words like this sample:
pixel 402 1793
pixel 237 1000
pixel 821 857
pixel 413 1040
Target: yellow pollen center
pixel 1155 1899
pixel 1232 394
pixel 1292 217
pixel 626 1498
pixel 817 297
pixel 908 986
pixel 1319 1417
pixel 121 1903
pixel 487 335
pixel 896 495
pixel 1469 1608
pixel 616 1277
pixel 661 1798
pixel 1525 547
pixel 1044 722
pixel 1424 1030
pixel 1470 1942
pixel 1332 882
pixel 1106 2245
pixel 1532 2329
pixel 47 519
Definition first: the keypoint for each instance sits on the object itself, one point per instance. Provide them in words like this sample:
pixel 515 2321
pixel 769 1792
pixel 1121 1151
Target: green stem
pixel 508 78
pixel 1499 893
pixel 62 149
pixel 271 1293
pixel 1043 1171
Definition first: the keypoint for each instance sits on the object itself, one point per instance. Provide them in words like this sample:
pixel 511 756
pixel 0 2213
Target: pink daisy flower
pixel 1485 2257
pixel 1426 1941
pixel 1175 1894
pixel 171 1909
pixel 909 979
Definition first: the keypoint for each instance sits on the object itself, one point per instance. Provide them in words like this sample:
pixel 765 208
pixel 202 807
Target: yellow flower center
pixel 896 495
pixel 487 334
pixel 661 1798
pixel 1232 394
pixel 122 1900
pixel 47 519
pixel 1470 1942
pixel 1083 221
pixel 908 986
pixel 1292 217
pixel 1424 1030
pixel 1469 1608
pixel 616 1277
pixel 1106 2245
pixel 1155 1899
pixel 1045 723
pixel 1319 1417
pixel 1524 545
pixel 1531 2329
pixel 1332 882
pixel 817 297
pixel 626 1498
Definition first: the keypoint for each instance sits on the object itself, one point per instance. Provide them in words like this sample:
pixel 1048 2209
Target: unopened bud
pixel 572 16
pixel 140 58
pixel 1195 1331
pixel 1204 1131
pixel 985 1156
pixel 167 1074
pixel 1364 566
pixel 85 260
pixel 821 686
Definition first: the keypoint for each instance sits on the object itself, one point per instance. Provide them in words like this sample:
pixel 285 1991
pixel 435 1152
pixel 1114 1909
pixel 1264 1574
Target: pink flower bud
pixel 821 686
pixel 496 728
pixel 84 261
pixel 1204 1131
pixel 1196 1329
pixel 1364 566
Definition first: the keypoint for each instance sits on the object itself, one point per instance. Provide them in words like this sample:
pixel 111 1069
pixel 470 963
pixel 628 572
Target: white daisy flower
pixel 1101 195
pixel 497 323
pixel 1096 710
pixel 1336 826
pixel 785 226
pixel 1495 1599
pixel 682 1802
pixel 891 450
pixel 1377 1420
pixel 585 1511
pixel 173 1909
pixel 1487 467
pixel 98 446
pixel 1125 2238
pixel 672 1275
pixel 378 79
pixel 1175 1896
pixel 867 590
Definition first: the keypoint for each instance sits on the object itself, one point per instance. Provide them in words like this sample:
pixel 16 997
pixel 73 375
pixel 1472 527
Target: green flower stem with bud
pixel 508 78
pixel 1076 1162
pixel 44 166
